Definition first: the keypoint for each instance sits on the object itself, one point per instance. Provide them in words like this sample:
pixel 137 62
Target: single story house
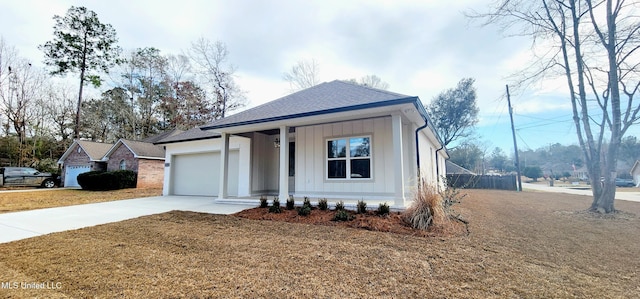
pixel 82 156
pixel 336 140
pixel 143 157
pixel 635 173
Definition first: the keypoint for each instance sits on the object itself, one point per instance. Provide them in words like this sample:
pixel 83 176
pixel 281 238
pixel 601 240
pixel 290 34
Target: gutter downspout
pixel 426 124
pixel 438 166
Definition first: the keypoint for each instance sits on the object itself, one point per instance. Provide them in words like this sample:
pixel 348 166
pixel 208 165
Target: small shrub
pixel 323 204
pixel 304 210
pixel 383 209
pixel 263 202
pixel 112 180
pixel 340 206
pixel 306 202
pixel 290 202
pixel 361 207
pixel 275 206
pixel 342 215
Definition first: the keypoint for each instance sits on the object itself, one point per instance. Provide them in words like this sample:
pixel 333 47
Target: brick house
pixel 80 157
pixel 144 158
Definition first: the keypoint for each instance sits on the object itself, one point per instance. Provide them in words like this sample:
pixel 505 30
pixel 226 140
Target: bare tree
pixel 595 46
pixel 374 82
pixel 60 108
pixel 217 75
pixel 303 74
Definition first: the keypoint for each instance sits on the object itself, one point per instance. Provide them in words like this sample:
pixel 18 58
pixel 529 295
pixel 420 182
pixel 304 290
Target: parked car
pixel 625 183
pixel 27 176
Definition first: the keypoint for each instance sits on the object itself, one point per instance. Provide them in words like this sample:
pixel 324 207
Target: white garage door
pixel 199 174
pixel 71 173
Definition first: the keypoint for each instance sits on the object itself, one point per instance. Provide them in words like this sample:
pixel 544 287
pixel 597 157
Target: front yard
pixel 39 199
pixel 527 245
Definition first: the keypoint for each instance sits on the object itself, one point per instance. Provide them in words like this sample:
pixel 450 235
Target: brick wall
pixel 122 153
pixel 150 173
pixel 74 158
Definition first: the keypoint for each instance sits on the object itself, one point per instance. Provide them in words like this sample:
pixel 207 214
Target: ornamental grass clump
pixel 427 208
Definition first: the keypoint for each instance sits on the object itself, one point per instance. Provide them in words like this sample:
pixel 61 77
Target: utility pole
pixel 515 143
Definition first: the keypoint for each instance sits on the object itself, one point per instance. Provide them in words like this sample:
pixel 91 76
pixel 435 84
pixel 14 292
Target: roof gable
pixel 144 150
pixel 324 98
pixel 95 150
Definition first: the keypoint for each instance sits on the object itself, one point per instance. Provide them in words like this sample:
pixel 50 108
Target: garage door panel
pixel 199 174
pixel 71 173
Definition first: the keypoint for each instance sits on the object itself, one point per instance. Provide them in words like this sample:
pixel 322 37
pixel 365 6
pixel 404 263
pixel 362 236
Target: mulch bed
pixel 391 223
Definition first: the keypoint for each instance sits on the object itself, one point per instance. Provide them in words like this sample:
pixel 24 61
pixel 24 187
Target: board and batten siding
pixel 310 177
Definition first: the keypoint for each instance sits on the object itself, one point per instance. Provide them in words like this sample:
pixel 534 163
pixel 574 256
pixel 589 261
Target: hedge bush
pixel 103 180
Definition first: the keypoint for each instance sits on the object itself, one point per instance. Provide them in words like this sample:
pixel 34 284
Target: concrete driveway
pixel 630 196
pixel 27 224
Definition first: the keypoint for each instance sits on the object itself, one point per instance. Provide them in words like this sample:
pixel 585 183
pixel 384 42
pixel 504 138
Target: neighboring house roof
pixel 453 168
pixel 635 166
pixel 156 138
pixel 95 150
pixel 140 150
pixel 325 98
pixel 189 135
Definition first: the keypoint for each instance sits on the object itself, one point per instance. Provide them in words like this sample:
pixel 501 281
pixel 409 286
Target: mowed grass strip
pixel 31 200
pixel 521 245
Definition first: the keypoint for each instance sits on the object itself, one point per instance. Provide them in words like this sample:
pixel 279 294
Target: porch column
pixel 398 160
pixel 224 166
pixel 283 193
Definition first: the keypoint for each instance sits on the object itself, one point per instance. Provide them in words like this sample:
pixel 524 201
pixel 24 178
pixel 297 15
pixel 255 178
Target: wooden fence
pixel 470 181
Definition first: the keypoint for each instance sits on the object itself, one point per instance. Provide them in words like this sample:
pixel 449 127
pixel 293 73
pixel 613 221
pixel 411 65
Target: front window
pixel 123 165
pixel 349 158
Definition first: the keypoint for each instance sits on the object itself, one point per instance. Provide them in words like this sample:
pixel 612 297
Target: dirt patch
pixel 521 245
pixel 391 223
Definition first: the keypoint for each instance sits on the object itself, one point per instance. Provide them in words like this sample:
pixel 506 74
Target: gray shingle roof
pixel 189 135
pixel 453 168
pixel 95 150
pixel 144 149
pixel 324 98
pixel 156 138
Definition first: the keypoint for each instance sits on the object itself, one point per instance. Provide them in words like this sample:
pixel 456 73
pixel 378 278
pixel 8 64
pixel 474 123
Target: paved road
pixel 27 224
pixel 630 196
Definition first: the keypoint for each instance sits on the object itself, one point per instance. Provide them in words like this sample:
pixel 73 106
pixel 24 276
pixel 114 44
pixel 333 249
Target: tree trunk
pixel 76 128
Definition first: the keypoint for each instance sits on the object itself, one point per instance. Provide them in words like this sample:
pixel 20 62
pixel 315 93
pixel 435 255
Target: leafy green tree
pixel 81 43
pixel 498 159
pixel 467 155
pixel 533 172
pixel 454 112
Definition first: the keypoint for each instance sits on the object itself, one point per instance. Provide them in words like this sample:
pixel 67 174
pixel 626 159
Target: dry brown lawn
pixel 521 245
pixel 38 199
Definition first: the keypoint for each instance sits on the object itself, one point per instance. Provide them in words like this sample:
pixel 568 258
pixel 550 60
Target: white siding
pixel 239 167
pixel 310 179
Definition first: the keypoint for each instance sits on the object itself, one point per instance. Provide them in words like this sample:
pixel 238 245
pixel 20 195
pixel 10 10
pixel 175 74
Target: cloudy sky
pixel 419 47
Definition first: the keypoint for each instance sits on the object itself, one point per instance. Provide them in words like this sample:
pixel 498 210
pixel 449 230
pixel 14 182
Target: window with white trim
pixel 123 164
pixel 349 158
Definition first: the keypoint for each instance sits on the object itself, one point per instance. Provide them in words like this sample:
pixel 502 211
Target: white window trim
pixel 348 158
pixel 123 161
